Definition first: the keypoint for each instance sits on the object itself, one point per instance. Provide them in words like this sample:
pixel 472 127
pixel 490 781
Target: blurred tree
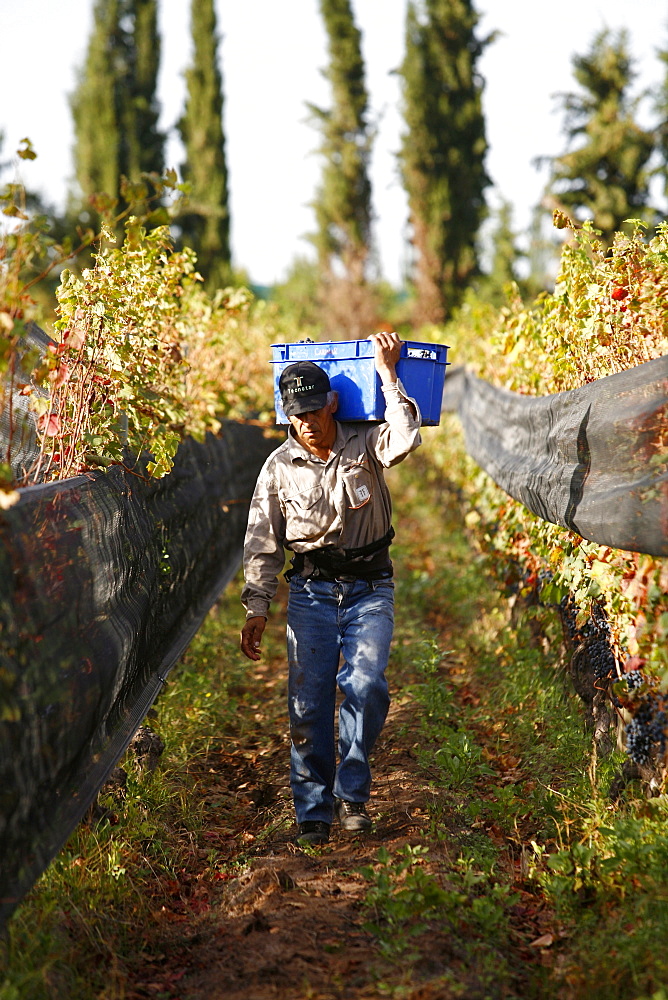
pixel 544 252
pixel 114 106
pixel 606 176
pixel 94 105
pixel 206 224
pixel 296 297
pixel 504 256
pixel 343 201
pixel 661 109
pixel 442 155
pixel 145 142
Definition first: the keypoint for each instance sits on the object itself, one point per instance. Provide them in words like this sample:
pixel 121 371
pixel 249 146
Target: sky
pixel 272 55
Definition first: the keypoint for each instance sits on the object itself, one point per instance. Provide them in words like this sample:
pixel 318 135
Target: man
pixel 323 496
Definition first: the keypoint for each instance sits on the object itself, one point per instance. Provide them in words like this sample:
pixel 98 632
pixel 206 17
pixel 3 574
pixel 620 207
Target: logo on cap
pixel 303 387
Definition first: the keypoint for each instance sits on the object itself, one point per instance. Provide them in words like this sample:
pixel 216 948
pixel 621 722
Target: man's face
pixel 316 429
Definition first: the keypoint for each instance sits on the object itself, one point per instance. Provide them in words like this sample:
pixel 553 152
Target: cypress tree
pixel 343 201
pixel 504 257
pixel 442 156
pixel 661 109
pixel 605 176
pixel 206 225
pixel 95 105
pixel 145 143
pixel 114 106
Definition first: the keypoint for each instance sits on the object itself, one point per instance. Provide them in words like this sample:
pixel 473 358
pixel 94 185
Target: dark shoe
pixel 352 816
pixel 313 831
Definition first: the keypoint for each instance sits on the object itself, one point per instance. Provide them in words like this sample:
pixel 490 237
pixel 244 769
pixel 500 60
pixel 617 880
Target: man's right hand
pixel 386 353
pixel 251 636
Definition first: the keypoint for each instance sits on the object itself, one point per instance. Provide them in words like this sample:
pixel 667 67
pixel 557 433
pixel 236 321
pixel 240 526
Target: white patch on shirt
pixel 362 493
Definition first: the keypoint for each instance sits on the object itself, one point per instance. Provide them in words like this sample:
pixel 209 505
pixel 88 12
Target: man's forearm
pixel 387 373
pixel 264 556
pixel 258 592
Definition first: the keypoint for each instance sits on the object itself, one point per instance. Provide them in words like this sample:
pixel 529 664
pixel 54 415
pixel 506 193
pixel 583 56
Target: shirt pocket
pixel 357 485
pixel 303 513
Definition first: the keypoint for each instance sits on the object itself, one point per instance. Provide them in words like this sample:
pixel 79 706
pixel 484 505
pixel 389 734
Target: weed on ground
pixel 498 865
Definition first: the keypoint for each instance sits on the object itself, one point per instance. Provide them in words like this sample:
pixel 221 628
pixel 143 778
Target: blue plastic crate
pixel 349 364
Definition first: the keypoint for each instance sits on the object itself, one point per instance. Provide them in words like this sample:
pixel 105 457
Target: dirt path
pixel 252 916
pixel 274 921
pixel 290 924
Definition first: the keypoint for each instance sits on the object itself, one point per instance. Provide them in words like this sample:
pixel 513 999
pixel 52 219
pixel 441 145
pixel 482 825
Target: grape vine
pixel 142 355
pixel 608 312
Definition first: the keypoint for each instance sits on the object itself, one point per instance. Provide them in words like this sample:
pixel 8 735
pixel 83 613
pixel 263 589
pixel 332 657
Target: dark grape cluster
pixel 638 741
pixel 595 631
pixel 634 679
pixel 646 730
pixel 600 620
pixel 588 630
pixel 646 733
pixel 659 725
pixel 569 613
pixel 601 658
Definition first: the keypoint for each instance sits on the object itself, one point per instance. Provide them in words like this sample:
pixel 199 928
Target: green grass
pixel 80 928
pixel 523 840
pixel 543 821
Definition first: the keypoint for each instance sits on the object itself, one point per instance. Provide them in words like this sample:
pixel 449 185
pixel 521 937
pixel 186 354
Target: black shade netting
pixel 594 459
pixel 104 579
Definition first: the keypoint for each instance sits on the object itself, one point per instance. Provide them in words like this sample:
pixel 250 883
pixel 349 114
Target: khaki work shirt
pixel 302 502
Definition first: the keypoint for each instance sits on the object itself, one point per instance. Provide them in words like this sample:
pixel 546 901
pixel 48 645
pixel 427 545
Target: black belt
pixel 330 562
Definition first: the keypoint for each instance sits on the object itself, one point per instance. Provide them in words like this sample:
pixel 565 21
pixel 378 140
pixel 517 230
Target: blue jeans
pixel 329 621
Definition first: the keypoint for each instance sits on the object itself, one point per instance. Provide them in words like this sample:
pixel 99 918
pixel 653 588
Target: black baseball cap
pixel 303 387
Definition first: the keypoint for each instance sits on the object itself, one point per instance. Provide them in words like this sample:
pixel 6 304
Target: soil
pixel 291 923
pixel 275 921
pixel 251 916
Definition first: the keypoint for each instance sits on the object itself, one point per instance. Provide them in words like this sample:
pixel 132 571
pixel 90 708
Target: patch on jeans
pixel 300 734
